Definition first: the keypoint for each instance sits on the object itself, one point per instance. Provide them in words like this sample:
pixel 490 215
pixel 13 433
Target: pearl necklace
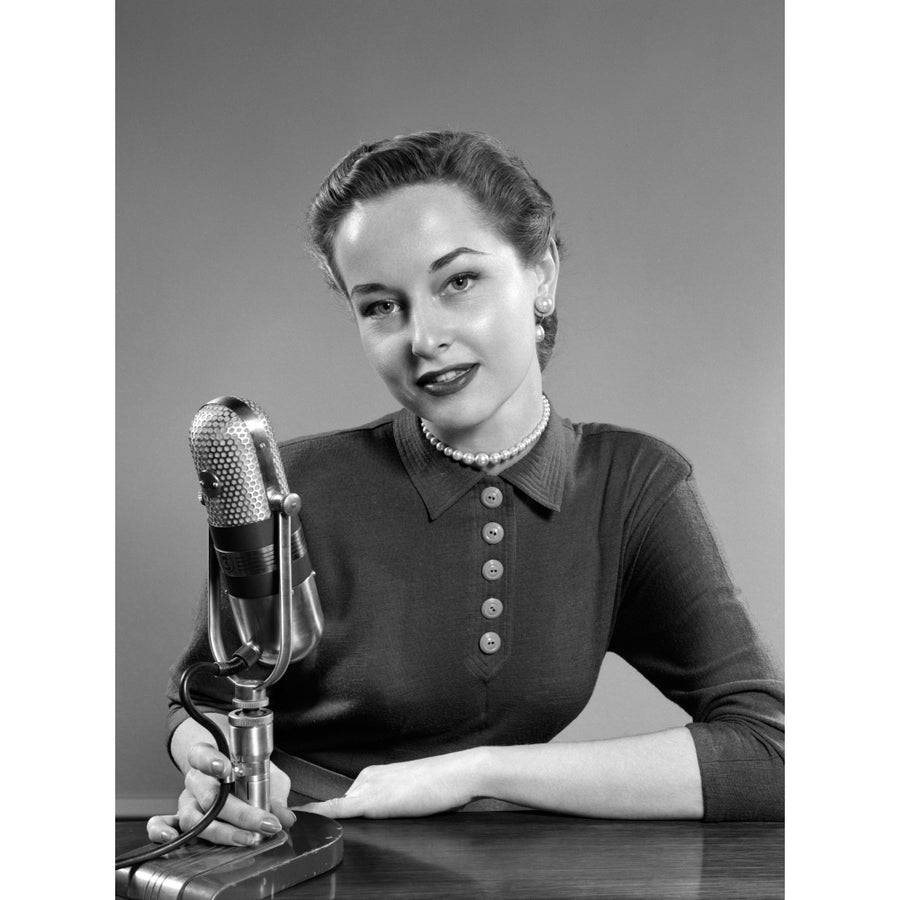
pixel 483 460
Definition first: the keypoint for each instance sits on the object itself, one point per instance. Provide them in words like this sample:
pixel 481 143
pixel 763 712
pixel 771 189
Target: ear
pixel 547 271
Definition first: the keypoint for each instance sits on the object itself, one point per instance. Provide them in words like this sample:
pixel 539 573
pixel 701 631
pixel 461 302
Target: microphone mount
pixel 251 693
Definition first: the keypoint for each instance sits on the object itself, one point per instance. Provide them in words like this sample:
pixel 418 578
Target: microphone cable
pixel 243 658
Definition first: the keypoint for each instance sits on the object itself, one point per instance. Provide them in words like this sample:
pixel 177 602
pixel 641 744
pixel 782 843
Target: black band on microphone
pixel 256 536
pixel 248 557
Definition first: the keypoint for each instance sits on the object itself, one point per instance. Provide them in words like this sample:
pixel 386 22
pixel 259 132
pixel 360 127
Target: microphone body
pixel 257 543
pixel 241 472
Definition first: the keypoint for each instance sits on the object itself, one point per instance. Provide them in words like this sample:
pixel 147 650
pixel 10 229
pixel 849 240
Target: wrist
pixel 479 765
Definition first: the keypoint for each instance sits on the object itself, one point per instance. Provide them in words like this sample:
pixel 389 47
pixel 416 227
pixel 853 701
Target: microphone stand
pixel 314 844
pixel 250 723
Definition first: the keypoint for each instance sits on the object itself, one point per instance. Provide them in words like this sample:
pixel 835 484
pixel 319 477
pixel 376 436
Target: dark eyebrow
pixel 370 288
pixel 374 287
pixel 448 258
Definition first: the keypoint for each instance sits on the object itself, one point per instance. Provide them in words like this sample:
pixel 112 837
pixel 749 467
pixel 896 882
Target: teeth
pixel 449 376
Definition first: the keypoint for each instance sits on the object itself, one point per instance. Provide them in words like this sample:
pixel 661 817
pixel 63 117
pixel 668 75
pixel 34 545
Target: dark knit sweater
pixel 603 546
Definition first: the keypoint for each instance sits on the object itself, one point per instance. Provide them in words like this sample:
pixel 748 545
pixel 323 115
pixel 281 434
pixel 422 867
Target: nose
pixel 429 330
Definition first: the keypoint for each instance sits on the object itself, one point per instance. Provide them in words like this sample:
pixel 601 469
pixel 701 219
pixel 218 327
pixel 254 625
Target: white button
pixel 492 532
pixel 491 608
pixel 492 497
pixel 492 569
pixel 489 642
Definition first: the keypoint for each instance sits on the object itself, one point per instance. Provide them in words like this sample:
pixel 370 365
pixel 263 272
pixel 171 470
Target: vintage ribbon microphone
pixel 256 542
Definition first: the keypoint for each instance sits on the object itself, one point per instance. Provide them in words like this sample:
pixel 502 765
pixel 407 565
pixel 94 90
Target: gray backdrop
pixel 657 127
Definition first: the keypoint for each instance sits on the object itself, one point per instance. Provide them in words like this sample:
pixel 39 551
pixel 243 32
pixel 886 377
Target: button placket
pixel 492 570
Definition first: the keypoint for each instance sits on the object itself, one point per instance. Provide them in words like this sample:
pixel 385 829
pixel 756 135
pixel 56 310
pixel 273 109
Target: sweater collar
pixel 540 474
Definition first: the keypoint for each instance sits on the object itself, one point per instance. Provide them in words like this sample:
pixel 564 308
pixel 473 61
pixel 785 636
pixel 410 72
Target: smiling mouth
pixel 447 381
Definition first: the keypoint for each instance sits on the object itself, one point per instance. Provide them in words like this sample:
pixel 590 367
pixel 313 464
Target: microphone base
pixel 202 871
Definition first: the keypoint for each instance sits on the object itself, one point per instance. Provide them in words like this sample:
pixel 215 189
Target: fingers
pixel 356 802
pixel 346 807
pixel 205 791
pixel 207 759
pixel 218 832
pixel 238 824
pixel 279 788
pixel 161 829
pixel 283 814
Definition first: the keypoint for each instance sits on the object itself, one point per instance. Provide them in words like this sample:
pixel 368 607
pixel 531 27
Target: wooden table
pixel 542 856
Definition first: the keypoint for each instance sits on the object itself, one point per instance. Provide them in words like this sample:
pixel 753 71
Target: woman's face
pixel 445 311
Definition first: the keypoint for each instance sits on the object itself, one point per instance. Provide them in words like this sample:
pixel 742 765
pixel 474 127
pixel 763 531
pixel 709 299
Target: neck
pixel 487 457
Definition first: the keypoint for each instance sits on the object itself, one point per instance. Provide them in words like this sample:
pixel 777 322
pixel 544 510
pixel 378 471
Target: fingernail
pixel 168 835
pixel 246 838
pixel 272 826
pixel 293 818
pixel 217 766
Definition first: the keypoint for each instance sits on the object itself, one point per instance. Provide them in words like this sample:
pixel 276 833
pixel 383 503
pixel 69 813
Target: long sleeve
pixel 683 626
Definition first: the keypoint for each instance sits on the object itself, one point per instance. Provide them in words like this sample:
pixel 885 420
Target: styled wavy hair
pixel 509 197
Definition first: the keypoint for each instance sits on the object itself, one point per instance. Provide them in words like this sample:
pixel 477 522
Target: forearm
pixel 190 732
pixel 651 776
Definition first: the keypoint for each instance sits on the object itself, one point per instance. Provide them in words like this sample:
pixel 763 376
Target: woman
pixel 477 555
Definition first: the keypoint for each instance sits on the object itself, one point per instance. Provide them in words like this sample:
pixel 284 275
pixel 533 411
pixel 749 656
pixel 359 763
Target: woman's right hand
pixel 238 824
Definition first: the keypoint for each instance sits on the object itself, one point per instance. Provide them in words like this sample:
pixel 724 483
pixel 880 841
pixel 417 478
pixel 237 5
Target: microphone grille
pixel 226 462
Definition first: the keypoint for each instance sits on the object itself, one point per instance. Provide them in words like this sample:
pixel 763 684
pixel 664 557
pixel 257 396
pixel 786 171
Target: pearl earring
pixel 543 306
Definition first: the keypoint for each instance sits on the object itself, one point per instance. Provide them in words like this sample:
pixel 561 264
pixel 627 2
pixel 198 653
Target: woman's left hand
pixel 419 787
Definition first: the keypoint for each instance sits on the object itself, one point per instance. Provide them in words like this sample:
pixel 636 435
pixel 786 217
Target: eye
pixel 461 282
pixel 379 309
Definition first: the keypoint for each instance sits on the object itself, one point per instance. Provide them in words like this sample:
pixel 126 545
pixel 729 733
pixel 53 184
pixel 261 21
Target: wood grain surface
pixel 538 855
